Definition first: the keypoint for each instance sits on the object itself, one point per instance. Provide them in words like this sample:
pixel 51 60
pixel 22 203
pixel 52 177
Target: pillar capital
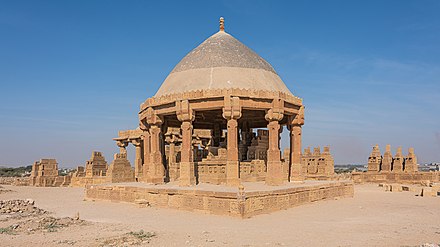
pixel 122 143
pixel 276 113
pixel 295 129
pixel 184 112
pixel 231 108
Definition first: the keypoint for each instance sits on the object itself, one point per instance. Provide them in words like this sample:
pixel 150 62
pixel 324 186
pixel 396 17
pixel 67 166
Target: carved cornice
pixel 215 93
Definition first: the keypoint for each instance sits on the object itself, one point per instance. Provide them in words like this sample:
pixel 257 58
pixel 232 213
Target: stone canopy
pixel 224 90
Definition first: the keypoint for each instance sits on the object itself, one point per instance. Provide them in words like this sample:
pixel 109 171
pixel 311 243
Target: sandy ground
pixel 372 218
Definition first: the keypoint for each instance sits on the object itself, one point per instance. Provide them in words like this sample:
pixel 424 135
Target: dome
pixel 222 62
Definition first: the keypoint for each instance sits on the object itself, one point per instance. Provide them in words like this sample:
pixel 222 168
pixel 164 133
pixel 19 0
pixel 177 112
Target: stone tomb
pixel 45 174
pixel 249 199
pixel 397 169
pixel 217 118
pixel 120 170
pixel 94 172
pixel 213 126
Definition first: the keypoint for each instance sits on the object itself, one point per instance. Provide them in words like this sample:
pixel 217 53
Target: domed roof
pixel 222 62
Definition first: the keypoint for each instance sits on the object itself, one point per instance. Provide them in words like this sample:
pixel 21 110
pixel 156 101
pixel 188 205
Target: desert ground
pixel 372 218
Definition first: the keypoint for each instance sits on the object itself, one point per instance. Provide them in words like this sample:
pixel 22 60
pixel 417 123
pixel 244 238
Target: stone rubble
pixel 20 208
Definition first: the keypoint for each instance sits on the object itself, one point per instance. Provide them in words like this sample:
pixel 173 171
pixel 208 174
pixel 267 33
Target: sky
pixel 73 73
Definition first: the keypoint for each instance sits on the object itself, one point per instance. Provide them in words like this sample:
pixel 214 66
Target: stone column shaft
pixel 187 175
pixel 295 151
pixel 232 163
pixel 147 153
pixel 156 171
pixel 138 161
pixel 274 174
pixel 172 156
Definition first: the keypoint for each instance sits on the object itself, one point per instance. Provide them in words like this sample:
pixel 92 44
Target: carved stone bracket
pixel 150 117
pixel 232 108
pixel 276 113
pixel 143 125
pixel 184 111
pixel 122 145
pixel 136 142
pixel 297 119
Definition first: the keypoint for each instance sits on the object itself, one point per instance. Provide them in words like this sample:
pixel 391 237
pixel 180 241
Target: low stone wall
pixel 86 181
pixel 17 181
pixel 239 204
pixel 431 190
pixel 395 177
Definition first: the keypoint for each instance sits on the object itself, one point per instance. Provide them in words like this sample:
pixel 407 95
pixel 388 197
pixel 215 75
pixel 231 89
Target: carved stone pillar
pixel 296 174
pixel 156 170
pixel 232 112
pixel 172 166
pixel 216 135
pixel 187 170
pixel 138 160
pixel 274 175
pixel 244 142
pixel 387 159
pixel 147 154
pixel 296 171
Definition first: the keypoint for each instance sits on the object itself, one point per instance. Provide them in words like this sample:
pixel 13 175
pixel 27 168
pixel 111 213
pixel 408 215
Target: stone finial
pixel 376 151
pixel 222 24
pixel 317 151
pixel 388 148
pixel 399 151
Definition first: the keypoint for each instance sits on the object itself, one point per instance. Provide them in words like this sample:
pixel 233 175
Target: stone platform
pixel 256 197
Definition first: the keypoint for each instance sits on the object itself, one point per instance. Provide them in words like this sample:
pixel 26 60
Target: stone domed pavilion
pixel 217 119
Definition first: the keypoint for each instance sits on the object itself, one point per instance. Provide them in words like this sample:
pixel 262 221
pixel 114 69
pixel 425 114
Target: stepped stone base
pixel 251 199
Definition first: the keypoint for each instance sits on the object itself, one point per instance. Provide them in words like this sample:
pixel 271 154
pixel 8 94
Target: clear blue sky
pixel 73 73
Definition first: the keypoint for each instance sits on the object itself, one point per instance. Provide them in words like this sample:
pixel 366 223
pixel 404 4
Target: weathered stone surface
pixel 238 204
pixel 120 170
pixel 45 174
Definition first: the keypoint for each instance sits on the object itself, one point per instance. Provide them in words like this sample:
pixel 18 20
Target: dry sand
pixel 372 218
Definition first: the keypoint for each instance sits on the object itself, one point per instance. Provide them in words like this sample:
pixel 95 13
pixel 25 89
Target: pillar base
pixel 296 175
pixel 155 180
pixel 297 179
pixel 156 174
pixel 232 173
pixel 187 177
pixel 173 173
pixel 274 174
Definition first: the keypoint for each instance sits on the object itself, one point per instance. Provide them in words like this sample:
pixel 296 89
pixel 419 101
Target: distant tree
pixel 15 172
